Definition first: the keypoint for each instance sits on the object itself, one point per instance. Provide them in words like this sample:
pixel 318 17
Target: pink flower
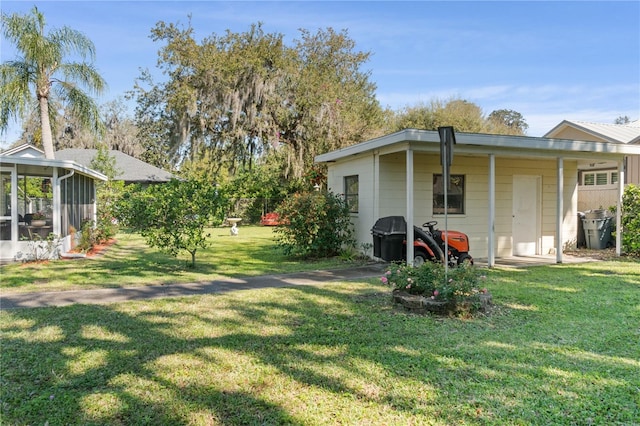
pixel 384 280
pixel 435 293
pixel 409 286
pixel 388 273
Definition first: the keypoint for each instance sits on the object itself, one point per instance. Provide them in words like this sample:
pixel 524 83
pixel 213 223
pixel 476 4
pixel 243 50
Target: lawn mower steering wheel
pixel 430 224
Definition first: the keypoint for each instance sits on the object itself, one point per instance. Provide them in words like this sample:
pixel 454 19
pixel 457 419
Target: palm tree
pixel 41 60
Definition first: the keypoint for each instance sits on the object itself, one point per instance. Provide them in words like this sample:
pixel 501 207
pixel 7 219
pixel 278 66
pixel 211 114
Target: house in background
pixel 70 186
pixel 598 179
pixel 24 150
pixel 131 170
pixel 513 195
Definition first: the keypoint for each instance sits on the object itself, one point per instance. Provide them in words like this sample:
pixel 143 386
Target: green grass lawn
pixel 131 262
pixel 561 347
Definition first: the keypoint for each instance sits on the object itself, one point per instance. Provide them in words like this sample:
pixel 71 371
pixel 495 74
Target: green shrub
pixel 106 227
pixel 631 220
pixel 317 224
pixel 89 236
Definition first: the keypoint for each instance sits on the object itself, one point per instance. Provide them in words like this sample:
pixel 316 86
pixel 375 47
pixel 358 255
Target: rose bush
pixel 460 287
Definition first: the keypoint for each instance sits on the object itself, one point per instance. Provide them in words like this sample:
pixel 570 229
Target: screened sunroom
pixel 42 200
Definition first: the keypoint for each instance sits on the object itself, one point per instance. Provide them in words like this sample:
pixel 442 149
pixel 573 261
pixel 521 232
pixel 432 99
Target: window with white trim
pixel 599 178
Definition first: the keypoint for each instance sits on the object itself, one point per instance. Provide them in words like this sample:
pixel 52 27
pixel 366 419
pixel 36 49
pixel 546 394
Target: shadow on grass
pixel 322 355
pixel 131 262
pixel 117 267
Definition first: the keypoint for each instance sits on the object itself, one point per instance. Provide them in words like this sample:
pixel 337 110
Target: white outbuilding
pixel 512 195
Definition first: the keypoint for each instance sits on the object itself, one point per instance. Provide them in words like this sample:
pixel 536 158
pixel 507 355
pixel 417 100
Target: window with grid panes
pixel 455 194
pixel 599 178
pixel 351 188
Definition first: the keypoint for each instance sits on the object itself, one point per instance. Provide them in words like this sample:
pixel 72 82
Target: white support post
pixel 376 185
pixel 94 202
pixel 560 210
pixel 57 203
pixel 619 229
pixel 14 209
pixel 492 212
pixel 409 206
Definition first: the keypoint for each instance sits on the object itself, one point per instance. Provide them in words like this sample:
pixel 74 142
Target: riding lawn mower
pixel 389 242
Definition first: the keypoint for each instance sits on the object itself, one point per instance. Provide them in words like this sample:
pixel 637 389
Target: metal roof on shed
pixel 628 133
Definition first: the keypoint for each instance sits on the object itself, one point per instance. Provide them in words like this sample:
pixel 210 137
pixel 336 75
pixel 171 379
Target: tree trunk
pixel 47 138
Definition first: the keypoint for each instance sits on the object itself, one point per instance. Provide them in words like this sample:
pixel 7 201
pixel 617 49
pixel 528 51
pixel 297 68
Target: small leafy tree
pixel 107 195
pixel 173 216
pixel 318 224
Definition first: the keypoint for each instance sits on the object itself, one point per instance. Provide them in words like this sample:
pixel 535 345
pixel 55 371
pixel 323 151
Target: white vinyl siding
pixel 390 198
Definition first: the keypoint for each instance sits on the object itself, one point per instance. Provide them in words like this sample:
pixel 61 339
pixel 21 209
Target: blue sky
pixel 550 61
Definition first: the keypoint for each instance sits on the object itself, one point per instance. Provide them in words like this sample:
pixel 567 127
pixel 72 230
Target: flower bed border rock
pixel 422 305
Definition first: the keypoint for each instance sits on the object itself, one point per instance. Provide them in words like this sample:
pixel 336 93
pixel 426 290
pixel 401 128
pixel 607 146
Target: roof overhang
pixel 628 133
pixel 39 163
pixel 485 144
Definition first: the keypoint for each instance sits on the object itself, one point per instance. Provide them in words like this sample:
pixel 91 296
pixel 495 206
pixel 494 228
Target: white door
pixel 526 215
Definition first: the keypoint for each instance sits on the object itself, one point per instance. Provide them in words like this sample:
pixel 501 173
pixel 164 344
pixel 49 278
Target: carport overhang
pixel 410 141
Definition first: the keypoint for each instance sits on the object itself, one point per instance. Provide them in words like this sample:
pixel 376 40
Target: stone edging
pixel 422 305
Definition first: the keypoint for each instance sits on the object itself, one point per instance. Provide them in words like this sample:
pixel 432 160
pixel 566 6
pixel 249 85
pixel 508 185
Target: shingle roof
pixel 628 133
pixel 132 169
